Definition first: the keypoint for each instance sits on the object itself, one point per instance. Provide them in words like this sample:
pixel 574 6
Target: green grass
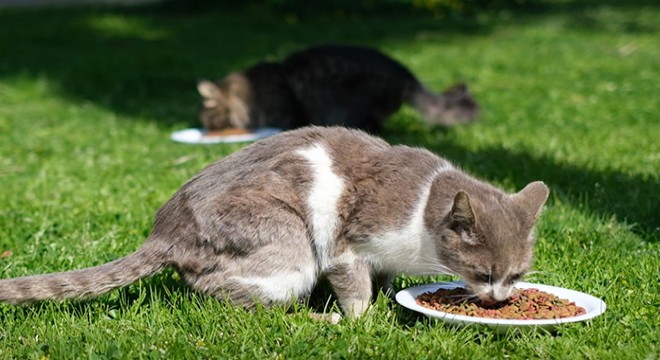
pixel 89 96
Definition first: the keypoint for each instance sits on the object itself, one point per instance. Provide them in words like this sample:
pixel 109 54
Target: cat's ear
pixel 462 215
pixel 533 197
pixel 208 89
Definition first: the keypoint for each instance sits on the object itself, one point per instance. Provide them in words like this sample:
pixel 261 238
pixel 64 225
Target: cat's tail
pixel 90 282
pixel 453 106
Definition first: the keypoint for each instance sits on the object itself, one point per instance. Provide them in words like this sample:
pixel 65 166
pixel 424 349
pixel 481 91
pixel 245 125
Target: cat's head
pixel 489 240
pixel 224 104
pixel 454 106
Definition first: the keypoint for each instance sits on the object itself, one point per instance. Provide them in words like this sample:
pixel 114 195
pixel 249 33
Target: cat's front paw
pixel 332 317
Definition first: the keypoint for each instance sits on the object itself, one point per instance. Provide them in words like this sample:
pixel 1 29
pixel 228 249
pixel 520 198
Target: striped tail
pixel 89 282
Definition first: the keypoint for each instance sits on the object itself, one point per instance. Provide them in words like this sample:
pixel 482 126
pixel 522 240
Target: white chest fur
pixel 410 249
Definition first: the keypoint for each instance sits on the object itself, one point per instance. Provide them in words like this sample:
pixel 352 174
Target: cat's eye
pixel 483 277
pixel 515 277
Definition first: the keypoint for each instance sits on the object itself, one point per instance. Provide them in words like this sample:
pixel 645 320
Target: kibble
pixel 524 304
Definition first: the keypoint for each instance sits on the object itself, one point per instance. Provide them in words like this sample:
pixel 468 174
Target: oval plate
pixel 199 136
pixel 593 305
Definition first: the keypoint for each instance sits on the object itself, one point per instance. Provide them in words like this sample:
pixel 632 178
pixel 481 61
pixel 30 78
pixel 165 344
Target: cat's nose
pixel 491 298
pixel 498 296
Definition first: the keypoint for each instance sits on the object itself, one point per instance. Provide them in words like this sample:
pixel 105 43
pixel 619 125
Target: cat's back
pixel 341 62
pixel 350 86
pixel 287 157
pixel 308 170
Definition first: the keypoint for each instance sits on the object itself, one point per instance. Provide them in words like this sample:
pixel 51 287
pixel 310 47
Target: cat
pixel 264 224
pixel 327 85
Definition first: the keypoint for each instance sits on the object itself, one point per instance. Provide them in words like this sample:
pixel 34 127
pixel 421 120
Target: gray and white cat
pixel 265 223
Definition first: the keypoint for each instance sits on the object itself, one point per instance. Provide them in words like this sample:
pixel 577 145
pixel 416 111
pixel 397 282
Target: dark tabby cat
pixel 327 85
pixel 263 224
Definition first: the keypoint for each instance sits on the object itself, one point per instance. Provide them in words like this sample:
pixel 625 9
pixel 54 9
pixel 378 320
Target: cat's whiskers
pixel 471 297
pixel 477 295
pixel 432 266
pixel 431 260
pixel 432 273
pixel 458 299
pixel 433 270
pixel 462 297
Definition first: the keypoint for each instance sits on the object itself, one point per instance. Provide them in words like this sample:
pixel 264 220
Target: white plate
pixel 198 136
pixel 593 305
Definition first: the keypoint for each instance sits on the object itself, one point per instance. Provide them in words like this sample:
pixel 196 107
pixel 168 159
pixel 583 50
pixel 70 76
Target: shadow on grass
pixel 144 61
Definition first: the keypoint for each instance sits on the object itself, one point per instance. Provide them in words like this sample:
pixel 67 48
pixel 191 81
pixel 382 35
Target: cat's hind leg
pixel 270 275
pixel 254 251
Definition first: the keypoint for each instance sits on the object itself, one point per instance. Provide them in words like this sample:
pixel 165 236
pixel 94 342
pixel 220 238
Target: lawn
pixel 89 96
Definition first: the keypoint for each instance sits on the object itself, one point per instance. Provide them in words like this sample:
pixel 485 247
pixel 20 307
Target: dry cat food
pixel 524 304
